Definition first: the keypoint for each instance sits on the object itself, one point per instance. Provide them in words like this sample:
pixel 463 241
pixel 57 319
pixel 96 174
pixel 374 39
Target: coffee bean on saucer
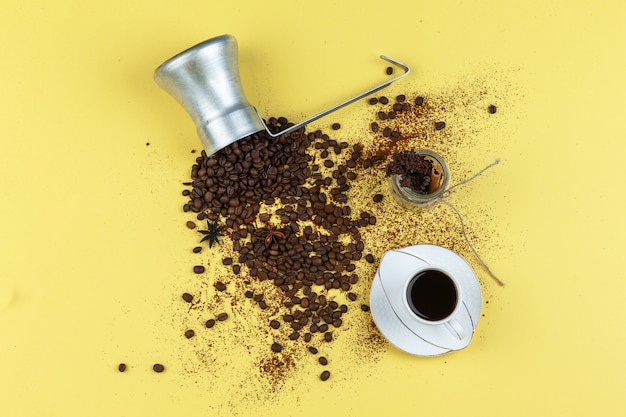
pixel 325 375
pixel 365 307
pixel 157 367
pixel 323 361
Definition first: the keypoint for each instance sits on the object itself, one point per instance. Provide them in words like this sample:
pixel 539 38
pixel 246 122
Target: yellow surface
pixel 95 252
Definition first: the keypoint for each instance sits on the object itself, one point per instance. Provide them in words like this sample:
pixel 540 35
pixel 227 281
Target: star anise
pixel 272 234
pixel 212 233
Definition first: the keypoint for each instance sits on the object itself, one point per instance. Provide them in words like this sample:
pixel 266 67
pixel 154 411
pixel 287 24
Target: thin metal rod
pixel 343 104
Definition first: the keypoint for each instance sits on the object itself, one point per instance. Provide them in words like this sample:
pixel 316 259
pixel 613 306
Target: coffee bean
pixel 222 316
pixel 373 100
pixel 387 132
pixel 307 337
pixel 389 70
pixel 189 334
pixel 395 134
pixel 328 337
pixel 276 347
pixel 274 324
pixel 198 269
pixel 374 126
pixel 236 269
pixel 382 115
pixel 365 307
pixel 191 225
pixel 197 249
pixel 391 115
pixel 294 336
pixel 419 101
pixel 325 375
pixel 397 107
pixel 400 98
pixel 328 163
pixel 220 286
pixel 352 296
pixel 249 294
pixel 440 125
pixel 377 198
pixel 369 258
pixel 335 126
pixel 187 297
pixel 383 100
pixel 492 109
pixel 227 261
pixel 322 360
pixel 157 367
pixel 313 350
pixel 209 323
pixel 121 367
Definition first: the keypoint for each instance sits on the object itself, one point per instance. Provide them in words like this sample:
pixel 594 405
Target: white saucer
pixel 398 324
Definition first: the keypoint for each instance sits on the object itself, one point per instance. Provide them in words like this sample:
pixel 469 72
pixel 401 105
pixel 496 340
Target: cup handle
pixel 456 329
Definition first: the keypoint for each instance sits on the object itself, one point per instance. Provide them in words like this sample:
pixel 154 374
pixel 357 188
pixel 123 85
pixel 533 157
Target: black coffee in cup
pixel 432 295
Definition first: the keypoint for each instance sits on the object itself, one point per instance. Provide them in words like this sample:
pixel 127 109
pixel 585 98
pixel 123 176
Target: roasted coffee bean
pixel 236 269
pixel 492 109
pixel 419 101
pixel 369 258
pixel 328 337
pixel 157 367
pixel 222 316
pixel 328 163
pixel 227 261
pixel 313 350
pixel 400 98
pixel 294 336
pixel 249 294
pixel 382 115
pixel 323 361
pixel 276 347
pixel 191 225
pixel 365 307
pixel 391 115
pixel 373 100
pixel 220 286
pixel 389 70
pixel 395 134
pixel 387 132
pixel 197 249
pixel 352 296
pixel 189 334
pixel 335 126
pixel 397 107
pixel 325 375
pixel 121 367
pixel 440 125
pixel 274 324
pixel 209 323
pixel 377 198
pixel 198 269
pixel 187 297
pixel 263 305
pixel 374 126
pixel 307 337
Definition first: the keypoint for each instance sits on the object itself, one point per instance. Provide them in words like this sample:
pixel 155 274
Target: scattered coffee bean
pixel 197 249
pixel 389 70
pixel 387 132
pixel 335 126
pixel 222 316
pixel 220 286
pixel 419 101
pixel 187 297
pixel 313 350
pixel 276 347
pixel 374 126
pixel 294 336
pixel 328 163
pixel 400 98
pixel 236 269
pixel 198 269
pixel 121 367
pixel 157 367
pixel 328 337
pixel 325 375
pixel 191 225
pixel 377 198
pixel 383 100
pixel 492 109
pixel 209 323
pixel 365 307
pixel 249 294
pixel 274 324
pixel 227 261
pixel 369 258
pixel 373 100
pixel 189 334
pixel 323 361
pixel 352 296
pixel 440 125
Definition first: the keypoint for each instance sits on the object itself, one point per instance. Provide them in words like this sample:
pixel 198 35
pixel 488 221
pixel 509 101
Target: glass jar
pixel 411 199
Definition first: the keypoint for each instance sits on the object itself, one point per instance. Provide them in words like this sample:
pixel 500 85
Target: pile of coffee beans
pixel 285 206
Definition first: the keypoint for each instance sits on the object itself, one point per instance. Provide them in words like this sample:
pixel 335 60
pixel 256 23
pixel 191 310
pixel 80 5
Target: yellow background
pixel 94 247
